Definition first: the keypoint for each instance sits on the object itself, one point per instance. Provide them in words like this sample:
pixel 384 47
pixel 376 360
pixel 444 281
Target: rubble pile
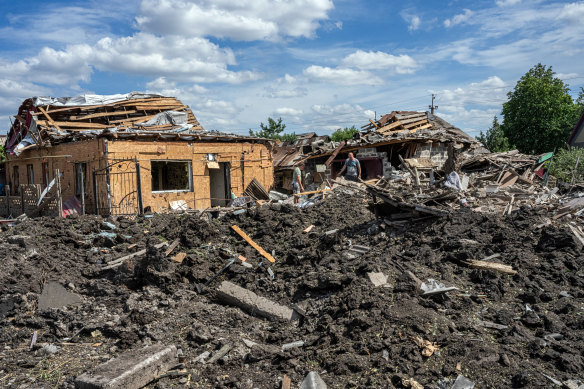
pixel 326 295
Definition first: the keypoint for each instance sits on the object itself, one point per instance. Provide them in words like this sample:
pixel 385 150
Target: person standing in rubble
pixel 353 168
pixel 297 186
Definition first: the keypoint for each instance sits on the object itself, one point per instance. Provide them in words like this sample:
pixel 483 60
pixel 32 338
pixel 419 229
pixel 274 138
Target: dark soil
pixel 355 334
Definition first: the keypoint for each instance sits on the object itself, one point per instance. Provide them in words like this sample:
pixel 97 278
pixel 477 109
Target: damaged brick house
pixel 425 142
pixel 122 154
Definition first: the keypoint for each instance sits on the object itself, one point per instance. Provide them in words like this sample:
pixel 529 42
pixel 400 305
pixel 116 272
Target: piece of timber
pixel 253 244
pixel 118 262
pixel 78 125
pixel 171 247
pixel 498 267
pixel 102 114
pixel 390 126
pixel 335 153
pixel 49 118
pixel 311 192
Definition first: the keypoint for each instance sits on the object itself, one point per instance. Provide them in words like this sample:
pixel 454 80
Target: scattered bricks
pixel 131 370
pixel 254 304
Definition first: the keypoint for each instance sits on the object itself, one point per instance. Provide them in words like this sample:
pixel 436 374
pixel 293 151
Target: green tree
pixel 494 139
pixel 344 133
pixel 564 163
pixel 274 130
pixel 540 112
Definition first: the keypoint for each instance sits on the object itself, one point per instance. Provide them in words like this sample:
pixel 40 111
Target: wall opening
pixel 172 176
pixel 220 184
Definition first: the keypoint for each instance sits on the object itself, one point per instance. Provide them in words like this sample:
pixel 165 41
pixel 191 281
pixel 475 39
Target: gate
pixel 117 189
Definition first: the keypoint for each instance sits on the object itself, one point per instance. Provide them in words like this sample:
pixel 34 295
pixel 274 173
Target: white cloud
pixel 573 12
pixel 174 58
pixel 245 20
pixel 414 23
pixel 490 92
pixel 285 93
pixel 288 111
pixel 458 19
pixel 505 3
pixel 342 76
pixel 402 64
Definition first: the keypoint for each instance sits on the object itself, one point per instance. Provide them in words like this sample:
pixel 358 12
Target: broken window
pixel 168 176
pixel 30 173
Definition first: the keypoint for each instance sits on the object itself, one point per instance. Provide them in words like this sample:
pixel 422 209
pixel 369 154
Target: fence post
pixel 7 191
pixel 139 189
pixel 80 172
pixel 95 192
pixel 59 194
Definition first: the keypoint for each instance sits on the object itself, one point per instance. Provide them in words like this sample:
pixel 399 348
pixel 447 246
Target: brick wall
pixel 257 164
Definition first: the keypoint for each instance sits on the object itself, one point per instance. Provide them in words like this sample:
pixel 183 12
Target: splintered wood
pixel 57 124
pixel 498 267
pixel 398 121
pixel 253 244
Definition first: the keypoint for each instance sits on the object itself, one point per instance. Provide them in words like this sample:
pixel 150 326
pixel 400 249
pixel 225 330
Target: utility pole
pixel 433 107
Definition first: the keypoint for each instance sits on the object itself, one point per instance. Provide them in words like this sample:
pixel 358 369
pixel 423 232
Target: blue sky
pixel 318 64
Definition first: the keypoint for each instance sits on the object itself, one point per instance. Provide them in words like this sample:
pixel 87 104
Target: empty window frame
pixel 172 176
pixel 30 173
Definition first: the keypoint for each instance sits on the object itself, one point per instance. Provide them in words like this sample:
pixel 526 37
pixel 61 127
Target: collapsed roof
pixel 396 127
pixel 48 121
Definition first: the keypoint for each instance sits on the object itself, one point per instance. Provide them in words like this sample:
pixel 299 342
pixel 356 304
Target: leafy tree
pixel 494 139
pixel 274 130
pixel 344 133
pixel 540 112
pixel 2 154
pixel 564 162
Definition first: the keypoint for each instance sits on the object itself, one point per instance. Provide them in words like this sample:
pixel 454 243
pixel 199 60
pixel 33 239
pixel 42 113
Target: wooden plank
pixel 118 262
pixel 498 267
pixel 395 124
pixel 133 119
pixel 72 124
pixel 171 247
pixel 101 114
pixel 253 244
pixel 311 192
pixel 163 107
pixel 309 228
pixel 415 123
pixel 49 118
pixel 335 153
pixel 286 382
pixel 374 124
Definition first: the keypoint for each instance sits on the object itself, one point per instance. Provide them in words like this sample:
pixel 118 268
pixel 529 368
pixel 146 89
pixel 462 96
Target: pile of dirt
pixel 497 330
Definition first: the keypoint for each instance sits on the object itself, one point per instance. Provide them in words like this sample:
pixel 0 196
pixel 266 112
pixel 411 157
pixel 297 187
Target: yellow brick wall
pixel 258 164
pixel 62 157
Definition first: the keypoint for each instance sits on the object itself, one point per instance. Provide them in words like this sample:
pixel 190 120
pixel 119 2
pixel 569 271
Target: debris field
pixel 455 298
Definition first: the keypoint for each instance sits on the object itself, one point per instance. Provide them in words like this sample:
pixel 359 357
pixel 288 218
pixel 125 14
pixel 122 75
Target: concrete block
pixel 56 296
pixel 253 304
pixel 131 370
pixel 378 279
pixel 313 381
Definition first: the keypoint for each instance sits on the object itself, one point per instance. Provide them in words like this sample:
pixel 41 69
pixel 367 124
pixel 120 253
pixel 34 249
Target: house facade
pixel 115 170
